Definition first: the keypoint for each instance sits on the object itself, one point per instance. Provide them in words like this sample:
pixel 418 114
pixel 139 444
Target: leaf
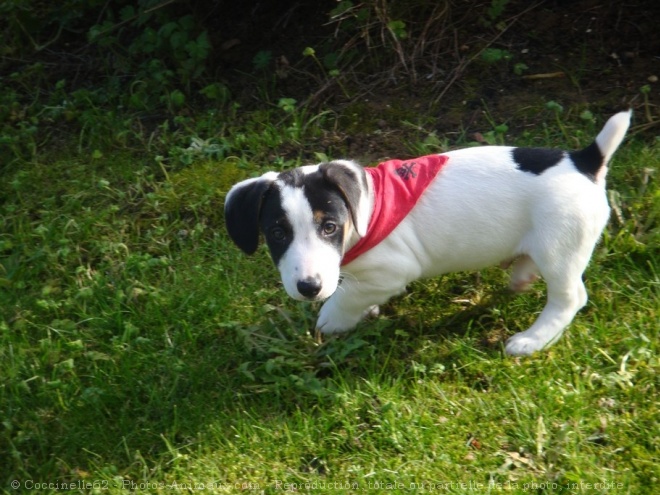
pixel 97 356
pixel 199 49
pixel 587 115
pixel 341 8
pixel 554 106
pixel 398 29
pixel 216 91
pixel 494 55
pixel 178 40
pixel 262 59
pixel 243 368
pixel 127 13
pixel 287 104
pixel 166 30
pixel 418 367
pixel 519 68
pixel 177 98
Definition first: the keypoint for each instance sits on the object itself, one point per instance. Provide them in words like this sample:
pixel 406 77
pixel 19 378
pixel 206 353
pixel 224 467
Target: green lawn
pixel 140 350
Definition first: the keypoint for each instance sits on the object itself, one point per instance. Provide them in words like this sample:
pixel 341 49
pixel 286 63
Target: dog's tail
pixel 592 161
pixel 612 134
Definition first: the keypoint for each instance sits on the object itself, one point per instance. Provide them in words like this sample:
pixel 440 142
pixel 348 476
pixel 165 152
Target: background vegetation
pixel 140 351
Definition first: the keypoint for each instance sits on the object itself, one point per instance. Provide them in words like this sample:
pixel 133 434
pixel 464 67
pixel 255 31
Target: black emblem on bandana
pixel 405 171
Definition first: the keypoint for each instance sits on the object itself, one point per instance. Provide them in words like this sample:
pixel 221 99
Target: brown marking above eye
pixel 319 215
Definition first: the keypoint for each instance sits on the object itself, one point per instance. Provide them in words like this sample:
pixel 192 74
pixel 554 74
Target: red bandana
pixel 398 185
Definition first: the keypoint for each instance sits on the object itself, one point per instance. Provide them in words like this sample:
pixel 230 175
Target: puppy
pixel 358 235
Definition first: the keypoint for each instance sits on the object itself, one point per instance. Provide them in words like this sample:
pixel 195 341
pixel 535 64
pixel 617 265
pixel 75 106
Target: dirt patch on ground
pixel 473 71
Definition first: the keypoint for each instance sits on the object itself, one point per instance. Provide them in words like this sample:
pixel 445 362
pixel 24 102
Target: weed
pixel 333 72
pixel 378 32
pixel 495 55
pixel 262 59
pixel 519 68
pixel 494 12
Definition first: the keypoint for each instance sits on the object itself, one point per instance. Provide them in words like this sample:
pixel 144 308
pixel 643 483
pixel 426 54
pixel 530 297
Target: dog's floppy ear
pixel 242 209
pixel 351 180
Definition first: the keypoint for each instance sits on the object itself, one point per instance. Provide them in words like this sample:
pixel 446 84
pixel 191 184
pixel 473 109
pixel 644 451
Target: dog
pixel 357 236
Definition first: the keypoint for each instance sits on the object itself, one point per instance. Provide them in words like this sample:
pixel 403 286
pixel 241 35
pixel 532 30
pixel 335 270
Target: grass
pixel 140 351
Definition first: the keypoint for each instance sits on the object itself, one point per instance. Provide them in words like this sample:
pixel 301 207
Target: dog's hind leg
pixel 561 245
pixel 566 296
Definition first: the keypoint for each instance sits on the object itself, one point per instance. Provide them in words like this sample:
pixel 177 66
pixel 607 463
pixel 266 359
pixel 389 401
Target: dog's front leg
pixel 350 304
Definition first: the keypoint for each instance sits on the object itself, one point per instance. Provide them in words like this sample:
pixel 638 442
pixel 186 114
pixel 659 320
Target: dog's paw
pixel 523 345
pixel 330 322
pixel 329 328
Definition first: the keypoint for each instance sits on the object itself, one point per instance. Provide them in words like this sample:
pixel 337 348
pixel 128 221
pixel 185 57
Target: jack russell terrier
pixel 358 235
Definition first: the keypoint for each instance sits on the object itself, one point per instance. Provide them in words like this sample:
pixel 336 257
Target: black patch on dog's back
pixel 536 160
pixel 588 160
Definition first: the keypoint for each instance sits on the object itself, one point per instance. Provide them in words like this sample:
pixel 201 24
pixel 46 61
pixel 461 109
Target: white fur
pixel 297 264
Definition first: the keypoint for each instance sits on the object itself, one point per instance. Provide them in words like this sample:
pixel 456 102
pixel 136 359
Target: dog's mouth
pixel 313 290
pixel 304 298
pixel 314 279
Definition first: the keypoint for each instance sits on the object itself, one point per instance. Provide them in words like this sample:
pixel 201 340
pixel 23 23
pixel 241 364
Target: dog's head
pixel 307 215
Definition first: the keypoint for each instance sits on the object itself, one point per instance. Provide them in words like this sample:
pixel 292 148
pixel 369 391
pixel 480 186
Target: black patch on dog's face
pixel 588 160
pixel 325 208
pixel 330 210
pixel 536 160
pixel 275 226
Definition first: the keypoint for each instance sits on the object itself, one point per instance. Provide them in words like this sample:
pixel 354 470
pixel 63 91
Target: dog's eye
pixel 329 228
pixel 278 234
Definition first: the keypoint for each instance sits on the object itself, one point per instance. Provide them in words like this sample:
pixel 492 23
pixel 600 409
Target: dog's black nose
pixel 309 287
